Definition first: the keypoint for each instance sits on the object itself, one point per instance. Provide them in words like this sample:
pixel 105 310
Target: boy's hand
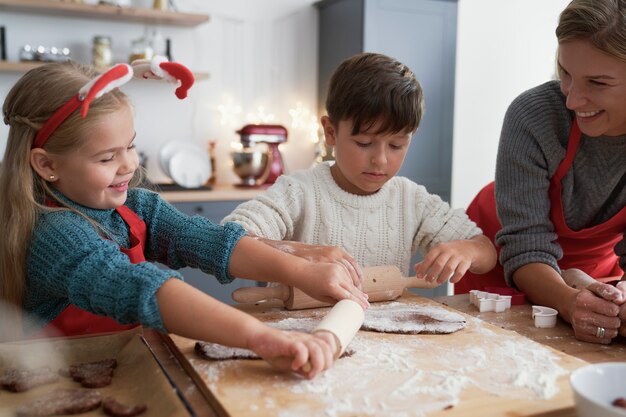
pixel 328 282
pixel 449 260
pixel 319 253
pixel 305 354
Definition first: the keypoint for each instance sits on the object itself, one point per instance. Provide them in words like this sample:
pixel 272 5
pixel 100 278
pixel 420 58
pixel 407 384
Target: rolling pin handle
pixel 256 294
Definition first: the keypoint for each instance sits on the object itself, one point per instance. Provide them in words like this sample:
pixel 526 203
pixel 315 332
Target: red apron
pixel 74 321
pixel 590 249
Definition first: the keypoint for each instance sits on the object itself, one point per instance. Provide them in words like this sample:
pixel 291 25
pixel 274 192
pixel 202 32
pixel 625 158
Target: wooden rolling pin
pixel 380 283
pixel 343 321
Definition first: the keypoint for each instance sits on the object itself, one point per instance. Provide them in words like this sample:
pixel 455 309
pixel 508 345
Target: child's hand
pixel 449 260
pixel 305 354
pixel 329 282
pixel 318 253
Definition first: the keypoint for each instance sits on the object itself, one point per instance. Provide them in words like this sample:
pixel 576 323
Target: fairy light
pixel 229 112
pixel 300 116
pixel 260 116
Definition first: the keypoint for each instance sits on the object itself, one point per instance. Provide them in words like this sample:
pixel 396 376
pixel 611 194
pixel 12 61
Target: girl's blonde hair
pixel 31 101
pixel 601 22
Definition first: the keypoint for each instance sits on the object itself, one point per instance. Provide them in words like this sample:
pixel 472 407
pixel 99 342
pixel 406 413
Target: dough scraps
pixel 402 318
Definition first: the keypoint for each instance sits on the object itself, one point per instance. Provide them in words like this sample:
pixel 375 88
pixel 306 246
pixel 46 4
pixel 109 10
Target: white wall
pixel 503 48
pixel 264 52
pixel 258 54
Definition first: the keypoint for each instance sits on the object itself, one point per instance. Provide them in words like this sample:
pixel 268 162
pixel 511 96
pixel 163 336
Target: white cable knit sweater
pixel 385 228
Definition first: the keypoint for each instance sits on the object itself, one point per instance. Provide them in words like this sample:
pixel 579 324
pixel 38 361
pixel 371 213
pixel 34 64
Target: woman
pixel 561 178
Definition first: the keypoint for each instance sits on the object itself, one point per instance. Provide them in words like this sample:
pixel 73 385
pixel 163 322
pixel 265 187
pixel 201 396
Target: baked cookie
pixel 61 401
pixel 114 408
pixel 17 380
pixel 92 374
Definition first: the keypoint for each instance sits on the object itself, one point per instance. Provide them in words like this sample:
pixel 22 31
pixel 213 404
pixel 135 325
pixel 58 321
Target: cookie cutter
pixel 517 298
pixel 486 301
pixel 545 317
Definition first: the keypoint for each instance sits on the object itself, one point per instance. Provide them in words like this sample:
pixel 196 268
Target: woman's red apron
pixel 590 249
pixel 74 321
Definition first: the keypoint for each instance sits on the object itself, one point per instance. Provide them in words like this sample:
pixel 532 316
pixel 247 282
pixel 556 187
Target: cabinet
pixel 422 35
pixel 98 12
pixel 214 211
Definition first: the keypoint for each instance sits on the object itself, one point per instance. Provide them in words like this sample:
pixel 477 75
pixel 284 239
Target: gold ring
pixel 600 332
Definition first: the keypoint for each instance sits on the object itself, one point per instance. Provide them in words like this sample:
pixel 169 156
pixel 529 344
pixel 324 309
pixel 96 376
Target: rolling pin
pixel 380 283
pixel 343 321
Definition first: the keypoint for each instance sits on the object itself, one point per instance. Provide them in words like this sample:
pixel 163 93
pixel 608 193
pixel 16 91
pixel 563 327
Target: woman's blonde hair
pixel 31 101
pixel 601 22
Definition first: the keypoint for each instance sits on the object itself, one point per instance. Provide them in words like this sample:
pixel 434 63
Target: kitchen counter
pixel 517 319
pixel 219 192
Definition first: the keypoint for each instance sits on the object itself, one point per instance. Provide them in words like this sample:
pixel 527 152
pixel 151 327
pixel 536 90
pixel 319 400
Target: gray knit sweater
pixel 533 143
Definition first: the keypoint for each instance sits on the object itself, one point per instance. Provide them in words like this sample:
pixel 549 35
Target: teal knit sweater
pixel 70 262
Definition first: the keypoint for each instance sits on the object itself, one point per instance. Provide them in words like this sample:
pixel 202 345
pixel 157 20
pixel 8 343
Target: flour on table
pixel 412 319
pixel 414 384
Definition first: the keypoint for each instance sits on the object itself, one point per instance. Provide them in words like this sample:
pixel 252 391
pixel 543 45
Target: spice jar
pixel 102 56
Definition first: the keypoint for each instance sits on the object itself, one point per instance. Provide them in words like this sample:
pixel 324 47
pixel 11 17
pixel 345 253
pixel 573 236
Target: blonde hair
pixel 31 101
pixel 601 22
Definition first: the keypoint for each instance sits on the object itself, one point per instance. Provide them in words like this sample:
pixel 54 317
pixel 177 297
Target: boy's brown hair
pixel 372 88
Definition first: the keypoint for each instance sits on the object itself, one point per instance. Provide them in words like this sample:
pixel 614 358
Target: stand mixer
pixel 264 169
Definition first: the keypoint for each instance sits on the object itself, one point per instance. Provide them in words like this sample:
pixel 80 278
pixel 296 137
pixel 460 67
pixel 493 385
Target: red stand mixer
pixel 271 135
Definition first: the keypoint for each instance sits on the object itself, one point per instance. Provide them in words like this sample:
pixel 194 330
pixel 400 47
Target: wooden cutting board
pixel 482 370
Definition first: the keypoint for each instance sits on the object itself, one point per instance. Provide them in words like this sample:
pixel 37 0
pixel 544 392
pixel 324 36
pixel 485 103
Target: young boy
pixel 374 107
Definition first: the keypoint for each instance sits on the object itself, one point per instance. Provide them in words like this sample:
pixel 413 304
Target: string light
pixel 229 112
pixel 260 116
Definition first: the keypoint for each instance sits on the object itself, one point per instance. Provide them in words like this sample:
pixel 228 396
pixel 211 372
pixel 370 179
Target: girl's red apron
pixel 589 249
pixel 74 321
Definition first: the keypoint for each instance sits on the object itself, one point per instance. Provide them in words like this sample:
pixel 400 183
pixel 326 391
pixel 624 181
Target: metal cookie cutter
pixel 545 317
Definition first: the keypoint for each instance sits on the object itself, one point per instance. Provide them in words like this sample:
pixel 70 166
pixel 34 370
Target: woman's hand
pixel 590 314
pixel 319 253
pixel 622 309
pixel 305 354
pixel 328 282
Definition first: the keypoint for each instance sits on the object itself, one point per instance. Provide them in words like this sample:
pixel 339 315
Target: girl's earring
pixel 52 177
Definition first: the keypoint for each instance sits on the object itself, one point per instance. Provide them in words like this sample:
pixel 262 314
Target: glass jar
pixel 102 55
pixel 141 49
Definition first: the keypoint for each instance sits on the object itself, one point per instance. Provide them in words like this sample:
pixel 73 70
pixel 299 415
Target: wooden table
pixel 561 337
pixel 517 319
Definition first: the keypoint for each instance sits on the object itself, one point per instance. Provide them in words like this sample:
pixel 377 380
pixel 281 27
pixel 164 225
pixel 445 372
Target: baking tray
pixel 138 378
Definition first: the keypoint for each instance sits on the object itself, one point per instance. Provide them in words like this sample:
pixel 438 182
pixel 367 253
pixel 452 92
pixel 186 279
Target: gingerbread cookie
pixel 16 380
pixel 114 408
pixel 92 374
pixel 61 401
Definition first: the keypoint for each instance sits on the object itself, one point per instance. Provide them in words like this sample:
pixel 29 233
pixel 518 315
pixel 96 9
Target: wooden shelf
pixel 9 66
pixel 102 11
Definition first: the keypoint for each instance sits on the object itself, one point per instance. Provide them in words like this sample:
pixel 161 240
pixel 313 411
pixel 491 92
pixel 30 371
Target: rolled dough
pixel 402 318
pixel 393 317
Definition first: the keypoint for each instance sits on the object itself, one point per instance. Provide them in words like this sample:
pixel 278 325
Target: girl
pixel 77 236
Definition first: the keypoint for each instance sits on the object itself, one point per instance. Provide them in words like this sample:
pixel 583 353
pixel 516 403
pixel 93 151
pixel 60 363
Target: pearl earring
pixel 51 177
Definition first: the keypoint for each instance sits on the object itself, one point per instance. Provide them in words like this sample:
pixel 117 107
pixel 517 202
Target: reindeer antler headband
pixel 120 74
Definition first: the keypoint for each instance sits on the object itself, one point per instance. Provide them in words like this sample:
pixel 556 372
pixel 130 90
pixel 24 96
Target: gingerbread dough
pixel 402 318
pixel 393 317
